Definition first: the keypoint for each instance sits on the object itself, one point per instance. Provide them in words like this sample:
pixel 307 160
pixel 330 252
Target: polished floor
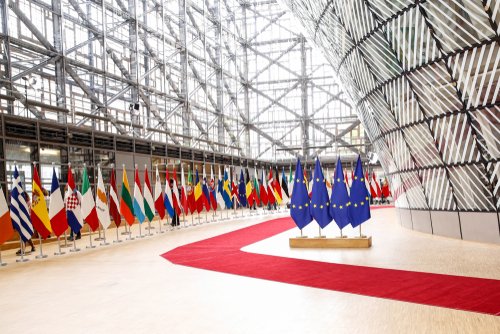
pixel 129 288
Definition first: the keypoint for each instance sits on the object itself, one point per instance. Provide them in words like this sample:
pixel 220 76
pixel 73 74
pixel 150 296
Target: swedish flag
pixel 359 209
pixel 299 204
pixel 339 202
pixel 319 199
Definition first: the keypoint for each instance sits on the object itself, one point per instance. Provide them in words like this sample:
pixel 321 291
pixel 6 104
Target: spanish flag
pixel 126 208
pixel 39 213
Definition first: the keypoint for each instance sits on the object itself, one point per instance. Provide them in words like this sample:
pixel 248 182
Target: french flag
pixel 57 213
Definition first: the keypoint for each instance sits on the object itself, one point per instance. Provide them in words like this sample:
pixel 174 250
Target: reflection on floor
pixel 129 288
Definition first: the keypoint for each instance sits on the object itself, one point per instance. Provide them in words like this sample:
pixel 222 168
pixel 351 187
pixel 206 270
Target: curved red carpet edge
pixel 223 254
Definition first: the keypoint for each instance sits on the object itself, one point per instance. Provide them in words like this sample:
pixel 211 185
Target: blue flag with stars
pixel 360 205
pixel 242 192
pixel 339 202
pixel 299 203
pixel 319 199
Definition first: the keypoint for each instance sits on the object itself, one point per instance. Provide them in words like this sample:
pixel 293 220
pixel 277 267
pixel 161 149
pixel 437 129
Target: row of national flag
pixel 76 207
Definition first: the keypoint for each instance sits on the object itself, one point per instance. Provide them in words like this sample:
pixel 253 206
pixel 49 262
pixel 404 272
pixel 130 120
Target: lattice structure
pixel 424 78
pixel 209 75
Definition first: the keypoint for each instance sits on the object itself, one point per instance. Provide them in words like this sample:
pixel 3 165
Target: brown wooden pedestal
pixel 331 242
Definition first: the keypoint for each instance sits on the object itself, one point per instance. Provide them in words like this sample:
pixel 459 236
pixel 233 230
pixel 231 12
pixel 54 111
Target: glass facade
pixel 424 78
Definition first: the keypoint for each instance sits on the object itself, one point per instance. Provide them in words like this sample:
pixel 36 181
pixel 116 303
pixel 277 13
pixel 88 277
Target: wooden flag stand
pixel 324 242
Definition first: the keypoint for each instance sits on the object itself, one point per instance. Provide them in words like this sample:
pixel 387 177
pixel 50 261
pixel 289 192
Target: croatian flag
pixel 72 198
pixel 19 210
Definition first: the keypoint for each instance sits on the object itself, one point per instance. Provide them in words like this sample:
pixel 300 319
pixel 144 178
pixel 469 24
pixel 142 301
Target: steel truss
pixel 226 76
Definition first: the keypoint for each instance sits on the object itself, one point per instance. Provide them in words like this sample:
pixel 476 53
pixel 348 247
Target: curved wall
pixel 424 76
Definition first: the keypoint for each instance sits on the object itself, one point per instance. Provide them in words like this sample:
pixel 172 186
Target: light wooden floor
pixel 129 288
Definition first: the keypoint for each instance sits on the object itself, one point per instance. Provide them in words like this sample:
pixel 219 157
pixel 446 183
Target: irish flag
pixel 39 214
pixel 149 204
pixel 126 206
pixel 6 229
pixel 88 204
pixel 138 198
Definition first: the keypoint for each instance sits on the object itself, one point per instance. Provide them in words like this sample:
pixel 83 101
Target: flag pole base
pixel 41 255
pixel 74 249
pixel 59 252
pixel 330 242
pixel 104 242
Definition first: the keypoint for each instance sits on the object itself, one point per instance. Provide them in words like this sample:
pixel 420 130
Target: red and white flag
pixel 159 204
pixel 114 204
pixel 175 195
pixel 6 229
pixel 184 201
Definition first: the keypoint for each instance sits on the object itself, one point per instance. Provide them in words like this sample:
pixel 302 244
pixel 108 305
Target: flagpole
pixel 41 255
pixel 2 264
pixel 59 247
pixel 130 232
pixel 90 238
pixel 74 249
pixel 160 231
pixel 104 242
pixel 117 234
pixel 22 259
pixel 65 241
pixel 99 237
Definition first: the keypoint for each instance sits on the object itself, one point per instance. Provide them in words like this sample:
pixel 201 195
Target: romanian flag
pixel 249 189
pixel 39 213
pixel 6 229
pixel 198 191
pixel 126 206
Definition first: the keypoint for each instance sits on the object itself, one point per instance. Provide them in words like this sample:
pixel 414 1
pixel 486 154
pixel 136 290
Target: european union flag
pixel 359 209
pixel 319 199
pixel 299 204
pixel 339 202
pixel 242 191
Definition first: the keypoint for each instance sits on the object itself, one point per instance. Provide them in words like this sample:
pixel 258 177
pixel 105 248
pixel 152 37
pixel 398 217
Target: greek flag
pixel 19 209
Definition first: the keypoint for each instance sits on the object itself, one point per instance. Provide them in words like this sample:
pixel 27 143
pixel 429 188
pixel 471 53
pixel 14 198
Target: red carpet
pixel 222 253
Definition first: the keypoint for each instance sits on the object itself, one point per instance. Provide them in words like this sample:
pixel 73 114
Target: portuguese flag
pixel 126 207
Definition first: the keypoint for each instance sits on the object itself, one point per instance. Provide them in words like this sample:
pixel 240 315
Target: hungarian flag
pixel 138 198
pixel 113 199
pixel 73 201
pixel 175 194
pixel 262 191
pixel 126 205
pixel 57 213
pixel 39 214
pixel 89 212
pixel 212 189
pixel 101 201
pixel 184 200
pixel 159 204
pixel 205 191
pixel 168 201
pixel 149 204
pixel 6 229
pixel 190 193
